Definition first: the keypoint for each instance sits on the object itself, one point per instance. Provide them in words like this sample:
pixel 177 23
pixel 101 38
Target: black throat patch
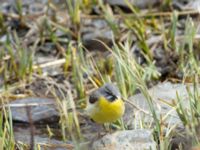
pixel 109 91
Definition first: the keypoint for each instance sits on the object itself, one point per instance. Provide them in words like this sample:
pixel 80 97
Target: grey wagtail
pixel 105 104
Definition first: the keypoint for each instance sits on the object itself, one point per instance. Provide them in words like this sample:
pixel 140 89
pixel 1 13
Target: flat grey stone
pixel 126 140
pixel 43 112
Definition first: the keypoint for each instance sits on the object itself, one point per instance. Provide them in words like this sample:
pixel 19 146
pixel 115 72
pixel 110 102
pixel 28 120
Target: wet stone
pixel 43 111
pixel 127 140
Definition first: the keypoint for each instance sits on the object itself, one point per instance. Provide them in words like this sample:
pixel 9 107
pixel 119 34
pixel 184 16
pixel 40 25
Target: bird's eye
pixel 92 99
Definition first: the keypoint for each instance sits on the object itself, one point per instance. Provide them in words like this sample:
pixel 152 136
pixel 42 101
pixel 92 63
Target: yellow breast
pixel 106 111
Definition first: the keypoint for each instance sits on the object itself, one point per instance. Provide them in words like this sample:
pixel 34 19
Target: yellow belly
pixel 106 111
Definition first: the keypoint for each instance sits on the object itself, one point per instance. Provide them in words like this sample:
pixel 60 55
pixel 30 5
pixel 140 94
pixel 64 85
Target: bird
pixel 105 104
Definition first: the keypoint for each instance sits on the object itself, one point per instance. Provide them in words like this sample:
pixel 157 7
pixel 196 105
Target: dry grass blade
pixel 50 64
pixel 26 105
pixel 55 146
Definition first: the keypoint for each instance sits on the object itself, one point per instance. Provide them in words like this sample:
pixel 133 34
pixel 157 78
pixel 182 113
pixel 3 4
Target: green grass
pixel 190 115
pixel 6 129
pixel 86 70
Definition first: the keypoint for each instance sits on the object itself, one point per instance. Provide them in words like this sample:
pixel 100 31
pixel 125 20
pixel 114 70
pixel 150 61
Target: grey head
pixel 108 90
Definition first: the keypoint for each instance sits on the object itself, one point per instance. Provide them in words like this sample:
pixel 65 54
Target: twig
pixel 49 145
pixel 135 106
pixel 32 131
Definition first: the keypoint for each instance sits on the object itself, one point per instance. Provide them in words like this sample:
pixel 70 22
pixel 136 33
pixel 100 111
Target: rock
pixel 137 3
pixel 96 29
pixel 163 96
pixel 162 92
pixel 126 140
pixel 186 4
pixel 39 113
pixel 192 5
pixel 3 38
